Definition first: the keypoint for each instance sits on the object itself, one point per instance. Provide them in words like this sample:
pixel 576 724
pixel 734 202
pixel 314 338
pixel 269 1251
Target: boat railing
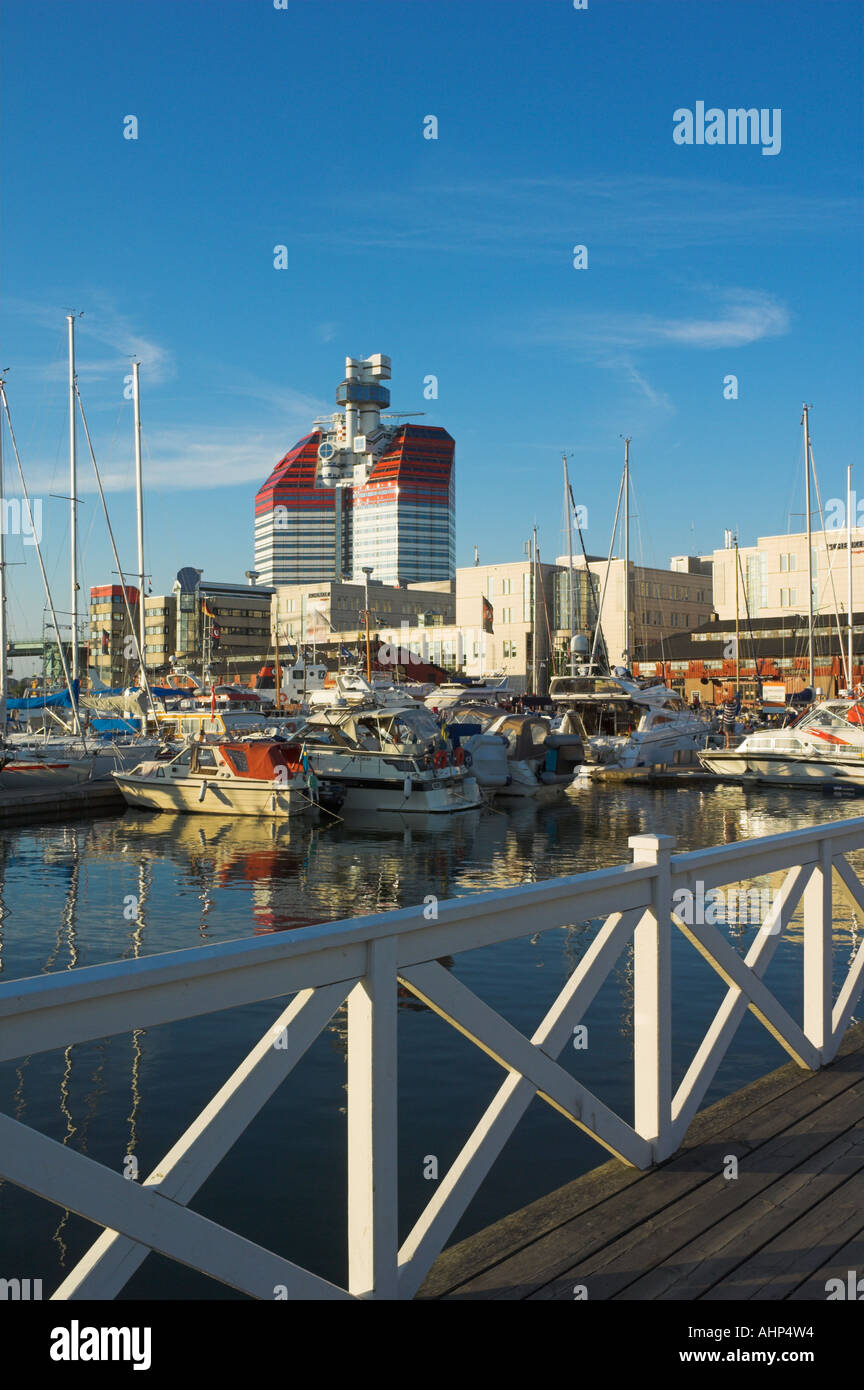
pixel 636 906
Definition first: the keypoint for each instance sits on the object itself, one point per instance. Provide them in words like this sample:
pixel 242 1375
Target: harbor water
pixel 85 892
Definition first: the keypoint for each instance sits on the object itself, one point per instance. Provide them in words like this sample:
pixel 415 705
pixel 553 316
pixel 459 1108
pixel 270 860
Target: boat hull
pixel 782 770
pixel 368 787
pixel 17 776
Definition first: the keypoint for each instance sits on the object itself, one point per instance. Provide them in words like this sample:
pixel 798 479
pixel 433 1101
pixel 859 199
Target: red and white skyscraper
pixel 361 490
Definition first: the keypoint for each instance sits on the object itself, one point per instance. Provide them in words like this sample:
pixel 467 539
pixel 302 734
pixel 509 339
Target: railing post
pixel 652 998
pixel 372 1134
pixel 818 952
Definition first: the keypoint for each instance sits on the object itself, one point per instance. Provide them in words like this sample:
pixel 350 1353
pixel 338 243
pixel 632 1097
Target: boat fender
pixel 203 791
pixel 459 757
pixel 407 787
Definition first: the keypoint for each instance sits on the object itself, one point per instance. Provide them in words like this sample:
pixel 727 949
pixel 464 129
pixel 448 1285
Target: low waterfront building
pixel 160 632
pixel 772 574
pixel 663 603
pixel 223 629
pixel 112 641
pixel 211 627
pixel 772 650
pixel 313 613
pixel 499 600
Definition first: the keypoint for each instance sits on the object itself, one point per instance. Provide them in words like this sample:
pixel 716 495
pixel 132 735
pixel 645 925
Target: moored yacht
pixel 487 690
pixel 389 758
pixel 825 745
pixel 351 688
pixel 627 725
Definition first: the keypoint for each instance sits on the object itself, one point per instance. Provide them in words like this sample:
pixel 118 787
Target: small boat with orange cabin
pixel 259 777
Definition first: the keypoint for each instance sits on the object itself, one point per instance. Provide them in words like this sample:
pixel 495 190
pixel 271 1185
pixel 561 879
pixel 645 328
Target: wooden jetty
pixel 95 798
pixel 791 1219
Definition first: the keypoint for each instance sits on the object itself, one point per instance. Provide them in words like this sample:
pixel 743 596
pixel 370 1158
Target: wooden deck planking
pixel 682 1231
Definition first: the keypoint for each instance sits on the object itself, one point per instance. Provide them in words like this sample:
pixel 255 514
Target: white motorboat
pixel 252 778
pixel 389 758
pixel 824 746
pixel 352 688
pixel 541 762
pixel 82 759
pixel 516 755
pixel 629 726
pixel 23 768
pixel 489 690
pixel 223 712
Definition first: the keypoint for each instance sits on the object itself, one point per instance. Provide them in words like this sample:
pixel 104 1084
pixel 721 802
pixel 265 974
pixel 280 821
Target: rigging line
pixel 165 509
pixel 597 632
pixel 25 494
pixel 846 673
pixel 123 585
pixel 756 665
pixel 545 610
pixel 84 547
pixel 593 597
pixel 639 624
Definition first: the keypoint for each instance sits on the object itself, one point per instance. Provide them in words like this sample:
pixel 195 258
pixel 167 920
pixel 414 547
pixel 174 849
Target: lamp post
pixel 367 570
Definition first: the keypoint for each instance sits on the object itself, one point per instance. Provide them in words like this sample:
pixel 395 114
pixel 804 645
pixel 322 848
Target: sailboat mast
pixel 73 504
pixel 849 679
pixel 806 423
pixel 535 679
pixel 139 506
pixel 570 604
pixel 739 582
pixel 626 652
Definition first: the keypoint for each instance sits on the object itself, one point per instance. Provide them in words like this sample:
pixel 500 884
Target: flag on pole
pixel 205 610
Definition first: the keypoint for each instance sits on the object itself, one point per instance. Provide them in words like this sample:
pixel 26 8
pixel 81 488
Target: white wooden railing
pixel 360 961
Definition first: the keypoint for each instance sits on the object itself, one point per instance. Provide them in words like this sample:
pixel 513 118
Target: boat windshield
pixel 610 717
pixel 830 717
pixel 563 686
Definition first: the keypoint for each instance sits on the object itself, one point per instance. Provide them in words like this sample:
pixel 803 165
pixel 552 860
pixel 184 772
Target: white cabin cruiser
pixel 352 688
pixel 489 690
pixel 628 725
pixel 389 758
pixel 541 762
pixel 824 746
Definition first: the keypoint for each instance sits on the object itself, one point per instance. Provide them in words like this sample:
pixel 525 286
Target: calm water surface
pixel 64 890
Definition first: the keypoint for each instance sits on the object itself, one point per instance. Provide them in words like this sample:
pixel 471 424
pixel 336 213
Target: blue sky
pixel 304 127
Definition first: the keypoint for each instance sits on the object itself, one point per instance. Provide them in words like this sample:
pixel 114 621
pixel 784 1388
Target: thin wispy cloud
pixel 179 459
pixel 280 398
pixel 103 324
pixel 742 317
pixel 541 217
pixel 655 398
